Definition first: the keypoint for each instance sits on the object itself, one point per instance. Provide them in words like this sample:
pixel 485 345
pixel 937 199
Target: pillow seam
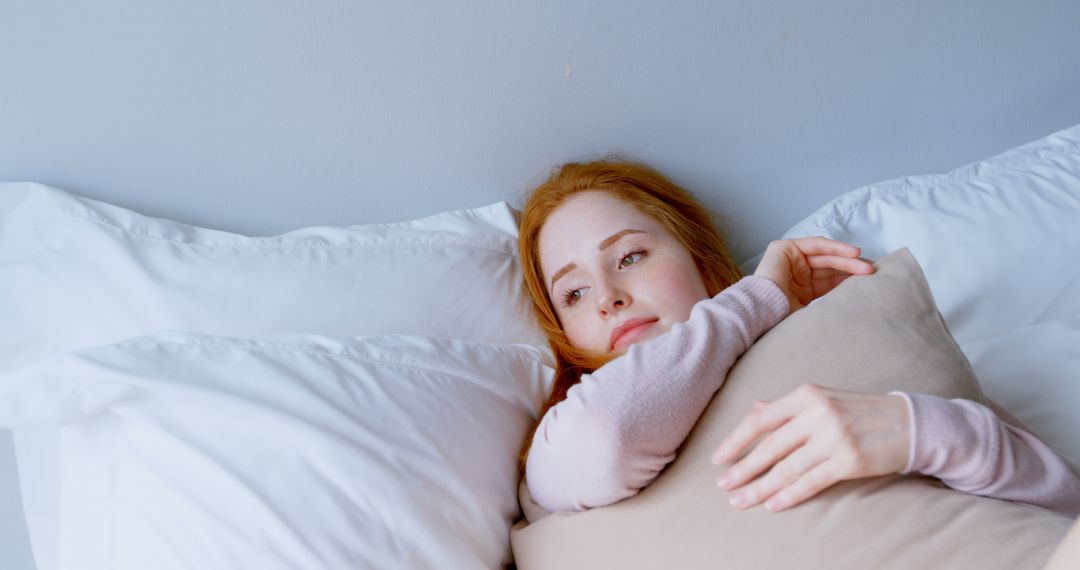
pixel 906 183
pixel 291 242
pixel 262 346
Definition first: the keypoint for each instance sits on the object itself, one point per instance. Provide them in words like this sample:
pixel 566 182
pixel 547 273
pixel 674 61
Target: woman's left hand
pixel 816 437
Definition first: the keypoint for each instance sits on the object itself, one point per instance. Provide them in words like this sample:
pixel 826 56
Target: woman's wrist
pixel 777 304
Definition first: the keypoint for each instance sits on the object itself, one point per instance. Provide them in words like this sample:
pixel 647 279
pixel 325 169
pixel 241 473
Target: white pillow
pixel 185 451
pixel 998 241
pixel 1034 372
pixel 88 273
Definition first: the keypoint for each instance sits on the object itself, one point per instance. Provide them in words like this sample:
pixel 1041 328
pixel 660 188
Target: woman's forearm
pixel 972 449
pixel 620 426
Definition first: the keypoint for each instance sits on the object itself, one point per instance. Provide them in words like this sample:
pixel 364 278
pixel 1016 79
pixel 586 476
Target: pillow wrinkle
pixel 970 172
pixel 268 347
pixel 275 242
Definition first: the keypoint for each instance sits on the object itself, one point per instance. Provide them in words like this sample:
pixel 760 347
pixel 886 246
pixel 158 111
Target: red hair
pixel 651 193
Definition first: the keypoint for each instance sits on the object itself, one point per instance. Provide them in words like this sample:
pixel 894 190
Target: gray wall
pixel 263 117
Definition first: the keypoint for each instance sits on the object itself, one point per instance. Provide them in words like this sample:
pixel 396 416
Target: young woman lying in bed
pixel 623 266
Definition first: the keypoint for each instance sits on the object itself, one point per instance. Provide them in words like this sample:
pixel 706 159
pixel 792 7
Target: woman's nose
pixel 612 299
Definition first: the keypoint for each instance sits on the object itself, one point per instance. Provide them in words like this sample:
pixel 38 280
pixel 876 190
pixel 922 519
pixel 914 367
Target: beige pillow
pixel 872 334
pixel 1067 554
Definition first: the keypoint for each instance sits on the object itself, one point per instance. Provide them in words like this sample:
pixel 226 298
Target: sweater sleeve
pixel 621 425
pixel 972 449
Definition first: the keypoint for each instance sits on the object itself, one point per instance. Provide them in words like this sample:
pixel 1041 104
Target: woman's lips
pixel 637 329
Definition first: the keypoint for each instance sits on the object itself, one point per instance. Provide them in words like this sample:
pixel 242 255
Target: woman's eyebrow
pixel 616 237
pixel 603 245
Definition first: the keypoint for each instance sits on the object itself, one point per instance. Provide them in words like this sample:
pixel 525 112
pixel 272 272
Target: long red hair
pixel 650 192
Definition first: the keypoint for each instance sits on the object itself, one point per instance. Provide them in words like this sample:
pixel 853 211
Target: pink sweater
pixel 620 426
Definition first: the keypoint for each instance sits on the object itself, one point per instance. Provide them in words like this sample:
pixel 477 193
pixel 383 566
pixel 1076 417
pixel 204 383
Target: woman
pixel 646 311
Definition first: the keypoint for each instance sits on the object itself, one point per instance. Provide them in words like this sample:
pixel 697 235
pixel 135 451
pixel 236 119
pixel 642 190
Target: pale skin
pixel 605 262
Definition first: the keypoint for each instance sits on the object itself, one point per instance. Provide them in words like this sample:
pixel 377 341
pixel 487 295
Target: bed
pixel 354 396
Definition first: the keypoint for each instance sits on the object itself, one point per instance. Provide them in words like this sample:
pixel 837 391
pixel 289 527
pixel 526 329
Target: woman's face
pixel 615 275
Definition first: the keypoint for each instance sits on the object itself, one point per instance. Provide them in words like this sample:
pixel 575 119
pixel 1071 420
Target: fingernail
pixel 738 501
pixel 772 504
pixel 724 481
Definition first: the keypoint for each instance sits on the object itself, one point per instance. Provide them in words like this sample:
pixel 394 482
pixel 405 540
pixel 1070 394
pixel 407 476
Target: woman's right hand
pixel 807 268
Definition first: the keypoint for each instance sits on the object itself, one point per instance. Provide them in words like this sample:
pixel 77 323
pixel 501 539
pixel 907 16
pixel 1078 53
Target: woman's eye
pixel 571 297
pixel 631 258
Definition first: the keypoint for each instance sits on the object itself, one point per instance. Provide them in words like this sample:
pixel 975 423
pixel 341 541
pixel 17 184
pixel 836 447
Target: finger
pixel 753 425
pixel 722 451
pixel 833 263
pixel 781 476
pixel 822 285
pixel 822 244
pixel 773 448
pixel 828 275
pixel 821 477
pixel 825 280
pixel 831 284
